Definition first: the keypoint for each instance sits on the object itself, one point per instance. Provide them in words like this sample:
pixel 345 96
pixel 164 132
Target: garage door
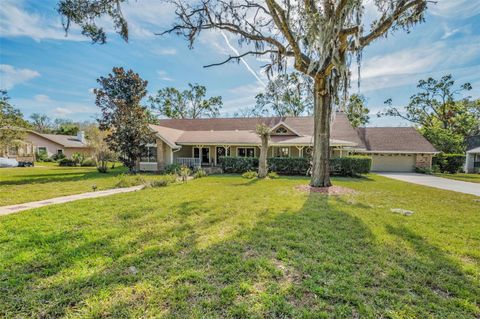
pixel 393 163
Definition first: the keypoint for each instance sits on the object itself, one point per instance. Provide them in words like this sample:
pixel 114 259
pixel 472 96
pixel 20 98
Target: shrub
pixel 289 165
pixel 66 162
pixel 350 165
pixel 89 162
pixel 41 156
pixel 250 174
pixel 238 164
pixel 184 173
pixel 341 166
pixel 172 168
pixel 57 157
pixel 199 173
pixel 129 180
pixel 102 169
pixel 273 175
pixel 451 163
pixel 158 183
pixel 423 170
pixel 78 158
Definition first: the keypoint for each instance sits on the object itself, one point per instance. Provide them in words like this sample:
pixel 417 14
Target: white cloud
pixel 397 69
pixel 11 76
pixel 42 98
pixel 165 51
pixel 61 111
pixel 163 75
pixel 15 21
pixel 455 8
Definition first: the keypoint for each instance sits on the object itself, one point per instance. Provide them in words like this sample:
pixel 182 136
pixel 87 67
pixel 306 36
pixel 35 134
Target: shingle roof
pixel 391 139
pixel 64 140
pixel 242 130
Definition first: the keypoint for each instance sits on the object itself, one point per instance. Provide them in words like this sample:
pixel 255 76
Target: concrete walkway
pixel 437 182
pixel 6 210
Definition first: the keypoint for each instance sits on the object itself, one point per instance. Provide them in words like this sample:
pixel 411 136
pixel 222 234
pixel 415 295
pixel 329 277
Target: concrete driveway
pixel 437 182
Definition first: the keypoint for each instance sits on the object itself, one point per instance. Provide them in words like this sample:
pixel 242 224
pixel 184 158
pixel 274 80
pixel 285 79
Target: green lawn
pixel 226 247
pixel 473 178
pixel 48 180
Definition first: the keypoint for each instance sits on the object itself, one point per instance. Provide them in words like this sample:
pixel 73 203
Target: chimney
pixel 81 136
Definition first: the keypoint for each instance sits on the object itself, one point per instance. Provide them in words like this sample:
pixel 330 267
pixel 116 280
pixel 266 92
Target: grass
pixel 48 180
pixel 227 247
pixel 473 178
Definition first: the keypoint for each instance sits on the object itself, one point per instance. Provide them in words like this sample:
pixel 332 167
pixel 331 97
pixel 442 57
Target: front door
pixel 205 155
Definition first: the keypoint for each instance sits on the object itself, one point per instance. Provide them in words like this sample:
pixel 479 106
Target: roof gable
pixel 281 128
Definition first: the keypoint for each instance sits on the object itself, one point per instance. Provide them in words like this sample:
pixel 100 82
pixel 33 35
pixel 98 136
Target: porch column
pixel 300 150
pixel 160 156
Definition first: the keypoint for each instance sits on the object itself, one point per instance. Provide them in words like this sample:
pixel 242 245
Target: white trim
pixel 282 123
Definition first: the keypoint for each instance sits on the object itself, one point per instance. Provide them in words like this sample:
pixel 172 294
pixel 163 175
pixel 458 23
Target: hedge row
pixel 342 166
pixel 451 163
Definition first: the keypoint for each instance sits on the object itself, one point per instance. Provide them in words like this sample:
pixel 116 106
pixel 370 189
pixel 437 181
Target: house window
pixel 42 150
pixel 281 152
pixel 246 152
pixel 12 151
pixel 281 130
pixel 150 155
pixel 59 152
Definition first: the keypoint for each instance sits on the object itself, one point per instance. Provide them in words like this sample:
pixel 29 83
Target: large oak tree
pixel 118 98
pixel 318 36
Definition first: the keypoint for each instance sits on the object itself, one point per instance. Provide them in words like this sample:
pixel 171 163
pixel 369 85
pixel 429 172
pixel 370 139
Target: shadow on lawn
pixel 60 177
pixel 318 261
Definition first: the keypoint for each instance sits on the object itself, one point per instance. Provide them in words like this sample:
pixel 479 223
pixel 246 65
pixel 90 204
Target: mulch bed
pixel 332 190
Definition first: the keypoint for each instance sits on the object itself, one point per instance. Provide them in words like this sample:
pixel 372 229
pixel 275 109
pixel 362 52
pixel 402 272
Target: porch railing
pixel 189 161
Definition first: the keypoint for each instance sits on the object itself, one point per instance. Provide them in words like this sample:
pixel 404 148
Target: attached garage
pixel 393 162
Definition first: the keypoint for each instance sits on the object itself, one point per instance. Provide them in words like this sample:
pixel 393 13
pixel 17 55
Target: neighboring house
pixel 472 161
pixel 197 142
pixel 21 152
pixel 58 144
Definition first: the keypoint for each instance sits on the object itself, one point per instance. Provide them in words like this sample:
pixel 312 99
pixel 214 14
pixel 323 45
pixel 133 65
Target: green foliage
pixel 173 168
pixel 343 166
pixel 78 158
pixel 128 180
pixel 232 164
pixel 67 162
pixel 357 112
pixel 350 165
pixel 288 94
pixel 423 170
pixel 57 157
pixel 184 172
pixel 12 123
pixel 89 162
pixel 162 181
pixel 273 175
pixel 189 104
pixel 119 98
pixel 289 165
pixel 43 157
pixel 199 173
pixel 442 120
pixel 250 174
pixel 450 163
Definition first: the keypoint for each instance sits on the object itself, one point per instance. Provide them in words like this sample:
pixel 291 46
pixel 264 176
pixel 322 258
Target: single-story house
pixel 58 144
pixel 472 160
pixel 195 142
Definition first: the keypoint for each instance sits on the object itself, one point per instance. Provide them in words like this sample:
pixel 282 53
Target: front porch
pixel 196 156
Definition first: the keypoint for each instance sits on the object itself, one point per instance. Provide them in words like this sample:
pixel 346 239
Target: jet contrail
pixel 243 60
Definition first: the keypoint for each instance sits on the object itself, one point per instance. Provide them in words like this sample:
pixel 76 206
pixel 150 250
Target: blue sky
pixel 46 72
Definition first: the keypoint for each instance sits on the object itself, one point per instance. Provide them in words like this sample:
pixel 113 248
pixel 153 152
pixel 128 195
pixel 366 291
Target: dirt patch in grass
pixel 332 190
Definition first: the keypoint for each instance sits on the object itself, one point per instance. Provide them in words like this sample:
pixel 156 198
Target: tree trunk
pixel 262 160
pixel 321 138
